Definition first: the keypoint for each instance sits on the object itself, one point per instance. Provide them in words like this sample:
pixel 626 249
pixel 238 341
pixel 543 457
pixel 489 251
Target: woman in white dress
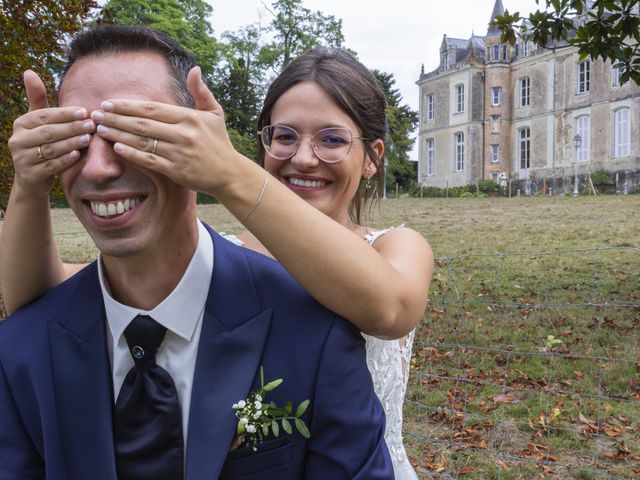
pixel 322 131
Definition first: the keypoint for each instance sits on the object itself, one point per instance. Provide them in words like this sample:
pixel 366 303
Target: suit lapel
pixel 82 381
pixel 234 330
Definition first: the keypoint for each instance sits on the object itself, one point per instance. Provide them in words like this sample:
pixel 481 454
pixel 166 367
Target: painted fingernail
pixel 80 114
pixel 107 106
pixel 85 139
pixel 118 147
pixel 88 126
pixel 97 116
pixel 102 130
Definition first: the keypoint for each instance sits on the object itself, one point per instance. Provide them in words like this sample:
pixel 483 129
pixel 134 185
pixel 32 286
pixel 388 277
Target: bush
pixel 466 195
pixel 487 186
pixel 601 177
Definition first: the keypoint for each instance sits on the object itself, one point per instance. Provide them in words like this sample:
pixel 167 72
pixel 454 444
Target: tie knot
pixel 144 335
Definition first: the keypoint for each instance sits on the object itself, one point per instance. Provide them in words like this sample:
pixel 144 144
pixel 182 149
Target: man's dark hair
pixel 114 39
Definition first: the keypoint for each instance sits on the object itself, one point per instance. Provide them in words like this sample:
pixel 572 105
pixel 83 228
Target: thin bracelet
pixel 264 188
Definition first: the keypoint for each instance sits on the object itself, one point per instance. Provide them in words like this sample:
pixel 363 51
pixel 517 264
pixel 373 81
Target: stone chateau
pixel 491 111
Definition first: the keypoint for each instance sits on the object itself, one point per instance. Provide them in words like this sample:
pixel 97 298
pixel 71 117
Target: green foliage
pixel 33 34
pixel 241 83
pixel 464 191
pixel 245 143
pixel 487 186
pixel 611 30
pixel 601 177
pixel 297 29
pixel 242 77
pixel 402 121
pixel 183 20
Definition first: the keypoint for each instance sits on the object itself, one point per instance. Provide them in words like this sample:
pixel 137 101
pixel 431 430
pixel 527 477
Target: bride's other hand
pixel 192 147
pixel 45 141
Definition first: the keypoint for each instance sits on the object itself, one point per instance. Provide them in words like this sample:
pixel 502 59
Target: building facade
pixel 492 111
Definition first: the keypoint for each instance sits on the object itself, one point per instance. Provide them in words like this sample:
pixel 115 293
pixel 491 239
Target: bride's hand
pixel 46 141
pixel 191 147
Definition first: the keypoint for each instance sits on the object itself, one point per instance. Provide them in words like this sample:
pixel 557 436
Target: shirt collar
pixel 182 309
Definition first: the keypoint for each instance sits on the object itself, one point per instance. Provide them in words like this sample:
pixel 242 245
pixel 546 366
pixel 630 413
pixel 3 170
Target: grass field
pixel 527 362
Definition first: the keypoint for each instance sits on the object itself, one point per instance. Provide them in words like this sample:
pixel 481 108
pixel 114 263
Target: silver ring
pixel 155 146
pixel 39 151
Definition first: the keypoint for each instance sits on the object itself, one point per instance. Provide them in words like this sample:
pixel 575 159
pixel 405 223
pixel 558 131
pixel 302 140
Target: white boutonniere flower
pixel 256 417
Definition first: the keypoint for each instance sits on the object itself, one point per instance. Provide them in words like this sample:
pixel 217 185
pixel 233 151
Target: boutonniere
pixel 256 417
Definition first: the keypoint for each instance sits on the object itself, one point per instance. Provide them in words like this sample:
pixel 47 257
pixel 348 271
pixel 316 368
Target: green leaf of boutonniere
pixel 256 417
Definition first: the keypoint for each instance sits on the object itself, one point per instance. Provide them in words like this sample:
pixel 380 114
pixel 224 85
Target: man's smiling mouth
pixel 111 209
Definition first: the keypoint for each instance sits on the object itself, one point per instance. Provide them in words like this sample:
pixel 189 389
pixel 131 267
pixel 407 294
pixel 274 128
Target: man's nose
pixel 101 164
pixel 306 156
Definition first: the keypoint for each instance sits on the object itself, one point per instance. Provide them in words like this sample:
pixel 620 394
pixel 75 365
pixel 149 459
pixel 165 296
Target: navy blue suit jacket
pixel 56 394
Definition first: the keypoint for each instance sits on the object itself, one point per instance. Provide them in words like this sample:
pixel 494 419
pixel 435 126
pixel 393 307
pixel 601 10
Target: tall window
pixel 444 60
pixel 583 76
pixel 525 49
pixel 583 129
pixel 616 73
pixel 495 96
pixel 525 91
pixel 496 52
pixel 524 148
pixel 431 155
pixel 430 107
pixel 621 132
pixel 495 123
pixel 459 148
pixel 459 98
pixel 495 153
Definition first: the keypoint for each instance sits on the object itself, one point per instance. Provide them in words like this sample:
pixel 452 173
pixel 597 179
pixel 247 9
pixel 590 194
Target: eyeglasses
pixel 331 145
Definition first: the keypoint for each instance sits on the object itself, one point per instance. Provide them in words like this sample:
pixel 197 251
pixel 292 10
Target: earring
pixel 368 184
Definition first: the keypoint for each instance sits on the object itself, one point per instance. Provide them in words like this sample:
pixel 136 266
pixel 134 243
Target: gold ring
pixel 155 146
pixel 39 150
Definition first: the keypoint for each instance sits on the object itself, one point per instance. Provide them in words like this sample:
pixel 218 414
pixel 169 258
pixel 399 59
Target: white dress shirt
pixel 181 313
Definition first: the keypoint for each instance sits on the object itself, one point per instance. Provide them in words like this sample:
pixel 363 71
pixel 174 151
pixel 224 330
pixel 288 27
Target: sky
pixel 395 36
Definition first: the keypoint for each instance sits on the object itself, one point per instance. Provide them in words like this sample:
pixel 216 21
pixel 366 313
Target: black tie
pixel 147 419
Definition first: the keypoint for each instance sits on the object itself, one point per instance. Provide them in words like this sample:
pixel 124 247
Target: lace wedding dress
pixel 388 362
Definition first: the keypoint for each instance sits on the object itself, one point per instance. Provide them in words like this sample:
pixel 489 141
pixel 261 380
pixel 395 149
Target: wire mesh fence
pixel 527 366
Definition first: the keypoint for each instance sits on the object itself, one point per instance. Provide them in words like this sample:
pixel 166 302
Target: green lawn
pixel 526 364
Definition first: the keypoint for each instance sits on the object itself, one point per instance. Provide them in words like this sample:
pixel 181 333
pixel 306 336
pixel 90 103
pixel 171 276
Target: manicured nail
pixel 88 126
pixel 118 147
pixel 107 106
pixel 97 116
pixel 80 114
pixel 85 139
pixel 74 154
pixel 102 130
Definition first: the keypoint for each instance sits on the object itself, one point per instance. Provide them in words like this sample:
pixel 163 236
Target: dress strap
pixel 373 236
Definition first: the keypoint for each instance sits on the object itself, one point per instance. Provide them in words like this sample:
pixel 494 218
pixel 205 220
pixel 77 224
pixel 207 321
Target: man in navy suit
pixel 227 311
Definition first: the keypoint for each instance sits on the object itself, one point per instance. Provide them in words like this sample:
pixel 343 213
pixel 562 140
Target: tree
pixel 242 78
pixel 402 121
pixel 33 34
pixel 610 30
pixel 241 86
pixel 296 30
pixel 186 21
